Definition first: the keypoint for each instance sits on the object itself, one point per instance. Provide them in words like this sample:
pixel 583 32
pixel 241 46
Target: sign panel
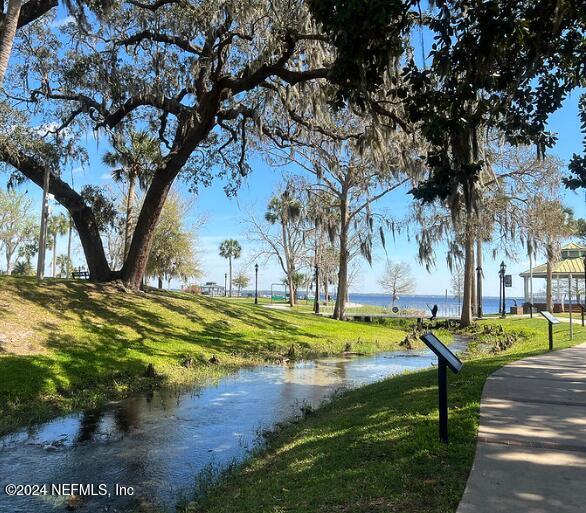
pixel 508 280
pixel 551 319
pixel 442 352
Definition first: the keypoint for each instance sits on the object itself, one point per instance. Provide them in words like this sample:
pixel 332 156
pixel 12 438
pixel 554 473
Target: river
pixel 159 443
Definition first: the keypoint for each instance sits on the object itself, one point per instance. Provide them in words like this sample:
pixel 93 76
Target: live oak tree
pixel 353 159
pixel 18 14
pixel 503 65
pixel 511 181
pixel 200 76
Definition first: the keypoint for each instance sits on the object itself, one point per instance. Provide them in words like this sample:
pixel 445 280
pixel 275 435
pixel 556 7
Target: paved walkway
pixel 531 451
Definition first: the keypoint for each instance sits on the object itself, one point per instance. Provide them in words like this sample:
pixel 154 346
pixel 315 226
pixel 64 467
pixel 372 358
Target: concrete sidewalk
pixel 531 450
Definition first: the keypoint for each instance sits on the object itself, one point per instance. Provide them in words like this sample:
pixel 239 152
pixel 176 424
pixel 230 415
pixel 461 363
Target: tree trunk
pixel 129 206
pixel 340 307
pixel 69 248
pixel 140 247
pixel 288 261
pixel 54 256
pixel 10 249
pixel 473 284
pixel 230 272
pixel 160 282
pixel 82 215
pixel 8 31
pixel 479 308
pixel 466 315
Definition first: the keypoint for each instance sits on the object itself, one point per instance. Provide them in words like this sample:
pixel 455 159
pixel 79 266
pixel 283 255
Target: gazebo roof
pixel 573 266
pixel 573 245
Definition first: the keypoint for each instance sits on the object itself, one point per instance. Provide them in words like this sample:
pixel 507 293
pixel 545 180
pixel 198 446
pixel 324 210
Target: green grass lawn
pixel 69 344
pixel 376 449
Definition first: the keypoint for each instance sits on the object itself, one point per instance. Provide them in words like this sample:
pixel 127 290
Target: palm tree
pixel 230 249
pixel 132 162
pixel 10 24
pixel 284 209
pixel 58 226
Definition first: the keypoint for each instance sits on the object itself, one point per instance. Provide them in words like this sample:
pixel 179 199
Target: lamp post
pixel 479 292
pixel 225 284
pixel 503 269
pixel 256 284
pixel 584 260
pixel 316 300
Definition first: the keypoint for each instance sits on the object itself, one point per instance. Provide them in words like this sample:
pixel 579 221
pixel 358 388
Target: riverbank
pixel 376 448
pixel 68 345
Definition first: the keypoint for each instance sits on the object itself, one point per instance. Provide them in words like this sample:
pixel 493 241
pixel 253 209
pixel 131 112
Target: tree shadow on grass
pixel 102 336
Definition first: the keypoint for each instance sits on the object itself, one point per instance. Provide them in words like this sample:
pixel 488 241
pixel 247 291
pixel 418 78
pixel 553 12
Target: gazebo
pixel 211 288
pixel 567 273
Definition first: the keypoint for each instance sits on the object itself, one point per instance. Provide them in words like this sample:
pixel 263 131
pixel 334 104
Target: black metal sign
pixel 445 359
pixel 508 280
pixel 551 320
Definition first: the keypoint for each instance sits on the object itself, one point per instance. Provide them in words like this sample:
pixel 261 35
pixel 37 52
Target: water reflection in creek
pixel 157 443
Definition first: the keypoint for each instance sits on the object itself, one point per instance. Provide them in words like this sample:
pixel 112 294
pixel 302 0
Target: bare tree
pixel 397 280
pixel 458 282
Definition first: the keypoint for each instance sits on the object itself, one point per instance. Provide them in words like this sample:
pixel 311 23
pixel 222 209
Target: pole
pixel 584 262
pixel 550 325
pixel 570 306
pixel 256 284
pixel 225 284
pixel 43 232
pixel 531 284
pixel 316 300
pixel 500 293
pixel 442 381
pixel 479 278
pixel 504 299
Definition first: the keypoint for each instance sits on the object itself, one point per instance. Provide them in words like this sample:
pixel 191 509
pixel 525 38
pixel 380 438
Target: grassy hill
pixel 69 344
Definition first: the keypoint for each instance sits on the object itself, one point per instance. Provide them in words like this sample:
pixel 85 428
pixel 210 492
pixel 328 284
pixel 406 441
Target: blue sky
pixel 225 215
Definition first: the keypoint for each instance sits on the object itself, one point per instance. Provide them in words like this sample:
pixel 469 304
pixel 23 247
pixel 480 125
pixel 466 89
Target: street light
pixel 584 259
pixel 256 284
pixel 225 284
pixel 316 301
pixel 479 291
pixel 503 269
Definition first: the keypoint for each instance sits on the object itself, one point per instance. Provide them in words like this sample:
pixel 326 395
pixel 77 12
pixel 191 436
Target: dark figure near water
pixel 433 313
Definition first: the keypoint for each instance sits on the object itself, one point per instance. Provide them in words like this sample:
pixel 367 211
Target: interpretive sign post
pixel 551 320
pixel 445 359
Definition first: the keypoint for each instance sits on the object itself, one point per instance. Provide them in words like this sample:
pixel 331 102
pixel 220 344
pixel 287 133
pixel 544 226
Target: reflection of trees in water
pixel 320 379
pixel 127 416
pixel 88 424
